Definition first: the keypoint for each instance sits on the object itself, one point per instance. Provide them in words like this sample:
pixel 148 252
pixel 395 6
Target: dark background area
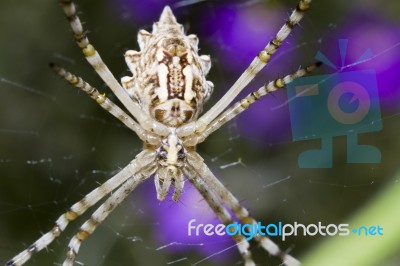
pixel 56 144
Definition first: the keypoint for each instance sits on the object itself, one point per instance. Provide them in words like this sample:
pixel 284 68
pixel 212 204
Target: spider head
pixel 171 158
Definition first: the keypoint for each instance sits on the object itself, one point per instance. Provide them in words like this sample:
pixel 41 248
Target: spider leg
pixel 102 213
pixel 196 161
pixel 142 160
pixel 248 75
pixel 94 59
pixel 223 215
pixel 107 105
pixel 244 103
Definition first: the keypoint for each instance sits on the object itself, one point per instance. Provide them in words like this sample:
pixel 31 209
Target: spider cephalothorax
pixel 171 157
pixel 168 74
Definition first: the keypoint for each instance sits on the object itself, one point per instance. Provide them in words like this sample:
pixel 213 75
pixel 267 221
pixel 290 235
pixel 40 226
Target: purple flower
pixel 243 33
pixel 268 120
pixel 382 38
pixel 172 229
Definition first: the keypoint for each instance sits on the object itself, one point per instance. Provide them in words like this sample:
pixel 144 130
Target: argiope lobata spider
pixel 164 98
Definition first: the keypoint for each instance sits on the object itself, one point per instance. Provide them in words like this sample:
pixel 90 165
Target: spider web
pixel 56 145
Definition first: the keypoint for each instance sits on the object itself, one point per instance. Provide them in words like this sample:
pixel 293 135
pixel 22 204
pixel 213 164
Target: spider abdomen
pixel 169 76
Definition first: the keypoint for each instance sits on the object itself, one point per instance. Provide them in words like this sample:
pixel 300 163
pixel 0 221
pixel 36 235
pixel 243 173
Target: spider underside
pixel 164 98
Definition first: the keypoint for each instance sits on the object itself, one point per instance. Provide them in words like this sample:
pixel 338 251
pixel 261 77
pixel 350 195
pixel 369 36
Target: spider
pixel 164 98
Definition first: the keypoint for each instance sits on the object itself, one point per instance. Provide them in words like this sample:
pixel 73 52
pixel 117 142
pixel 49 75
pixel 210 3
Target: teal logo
pixel 345 103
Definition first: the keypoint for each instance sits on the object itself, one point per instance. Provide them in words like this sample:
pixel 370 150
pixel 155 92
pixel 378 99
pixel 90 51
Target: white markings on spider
pixel 164 97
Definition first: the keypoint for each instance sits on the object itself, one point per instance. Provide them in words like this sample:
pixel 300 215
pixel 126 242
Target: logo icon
pixel 344 103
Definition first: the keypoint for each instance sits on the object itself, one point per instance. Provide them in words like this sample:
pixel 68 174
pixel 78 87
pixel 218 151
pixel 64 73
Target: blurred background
pixel 56 144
